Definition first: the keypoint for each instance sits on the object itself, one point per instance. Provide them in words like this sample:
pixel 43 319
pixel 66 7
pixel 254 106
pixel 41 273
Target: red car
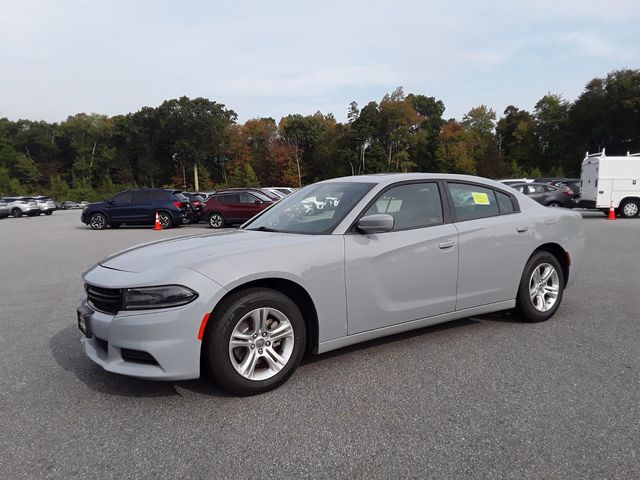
pixel 234 206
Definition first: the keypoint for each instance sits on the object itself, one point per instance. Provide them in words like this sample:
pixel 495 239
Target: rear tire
pixel 553 204
pixel 48 213
pixel 165 220
pixel 629 209
pixel 16 212
pixel 269 338
pixel 539 297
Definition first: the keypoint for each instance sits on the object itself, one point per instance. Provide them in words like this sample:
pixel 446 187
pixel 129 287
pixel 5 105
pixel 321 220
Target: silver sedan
pixel 388 253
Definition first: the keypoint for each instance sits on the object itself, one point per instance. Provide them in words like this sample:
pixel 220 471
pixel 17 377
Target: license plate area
pixel 84 314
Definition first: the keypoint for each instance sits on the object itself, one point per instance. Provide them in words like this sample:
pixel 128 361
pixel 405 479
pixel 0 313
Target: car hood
pixel 195 250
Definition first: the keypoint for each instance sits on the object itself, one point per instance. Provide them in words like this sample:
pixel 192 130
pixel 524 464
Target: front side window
pixel 316 209
pixel 122 199
pixel 472 201
pixel 230 198
pixel 247 198
pixel 415 205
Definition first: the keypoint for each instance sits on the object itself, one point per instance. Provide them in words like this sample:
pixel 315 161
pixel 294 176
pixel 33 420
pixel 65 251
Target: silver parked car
pixel 389 254
pixel 5 211
pixel 45 204
pixel 20 206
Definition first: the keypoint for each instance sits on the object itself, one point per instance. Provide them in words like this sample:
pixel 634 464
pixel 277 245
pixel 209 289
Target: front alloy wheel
pixel 254 341
pixel 98 221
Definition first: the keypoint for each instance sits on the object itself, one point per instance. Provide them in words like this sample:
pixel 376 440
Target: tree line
pixel 91 156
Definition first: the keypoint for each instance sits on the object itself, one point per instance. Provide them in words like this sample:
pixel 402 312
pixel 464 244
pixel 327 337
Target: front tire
pixel 48 213
pixel 541 288
pixel 254 341
pixel 629 209
pixel 98 221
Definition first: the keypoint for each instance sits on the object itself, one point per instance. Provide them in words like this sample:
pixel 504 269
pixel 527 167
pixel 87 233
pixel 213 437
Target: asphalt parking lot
pixel 478 398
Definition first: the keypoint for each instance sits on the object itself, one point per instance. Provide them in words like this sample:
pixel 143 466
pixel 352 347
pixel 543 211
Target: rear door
pixel 141 207
pixel 408 273
pixel 495 240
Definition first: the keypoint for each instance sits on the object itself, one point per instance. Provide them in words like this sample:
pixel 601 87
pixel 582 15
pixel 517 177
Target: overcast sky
pixel 271 58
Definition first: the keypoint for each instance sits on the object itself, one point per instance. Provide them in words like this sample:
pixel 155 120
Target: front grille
pixel 105 300
pixel 137 356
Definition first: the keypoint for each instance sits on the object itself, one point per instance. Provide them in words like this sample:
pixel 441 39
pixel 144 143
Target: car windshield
pixel 316 209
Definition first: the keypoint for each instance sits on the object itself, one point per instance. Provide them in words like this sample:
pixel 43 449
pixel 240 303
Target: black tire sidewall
pixel 218 332
pixel 16 212
pixel 524 306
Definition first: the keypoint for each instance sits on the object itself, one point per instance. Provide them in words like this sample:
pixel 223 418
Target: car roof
pixel 390 178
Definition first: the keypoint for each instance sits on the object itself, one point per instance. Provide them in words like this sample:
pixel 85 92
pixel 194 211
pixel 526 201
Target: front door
pixel 119 207
pixel 405 274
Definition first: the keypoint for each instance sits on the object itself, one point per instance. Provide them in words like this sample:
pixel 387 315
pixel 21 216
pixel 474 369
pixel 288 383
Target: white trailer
pixel 611 181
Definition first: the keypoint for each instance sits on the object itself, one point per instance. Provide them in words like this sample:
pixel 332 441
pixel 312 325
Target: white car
pixel 398 252
pixel 20 206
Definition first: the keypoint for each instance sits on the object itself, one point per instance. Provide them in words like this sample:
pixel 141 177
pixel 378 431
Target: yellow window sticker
pixel 480 198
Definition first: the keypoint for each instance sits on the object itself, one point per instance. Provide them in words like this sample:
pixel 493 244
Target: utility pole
pixel 196 185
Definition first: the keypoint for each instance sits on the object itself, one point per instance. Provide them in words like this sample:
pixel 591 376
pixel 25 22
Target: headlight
pixel 145 298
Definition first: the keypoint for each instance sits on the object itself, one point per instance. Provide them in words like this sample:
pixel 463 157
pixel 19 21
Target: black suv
pixel 138 207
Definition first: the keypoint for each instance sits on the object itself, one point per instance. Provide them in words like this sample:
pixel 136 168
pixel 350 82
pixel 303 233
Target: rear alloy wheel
pixel 216 220
pixel 553 204
pixel 541 287
pixel 629 209
pixel 255 342
pixel 187 218
pixel 165 220
pixel 16 212
pixel 98 221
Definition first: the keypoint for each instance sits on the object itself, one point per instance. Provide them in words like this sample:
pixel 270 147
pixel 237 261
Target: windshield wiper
pixel 262 228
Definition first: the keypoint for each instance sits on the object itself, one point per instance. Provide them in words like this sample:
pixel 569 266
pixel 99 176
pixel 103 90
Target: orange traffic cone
pixel 157 225
pixel 612 213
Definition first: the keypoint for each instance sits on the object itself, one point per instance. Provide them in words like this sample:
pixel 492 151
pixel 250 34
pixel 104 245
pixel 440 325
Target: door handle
pixel 446 245
pixel 522 229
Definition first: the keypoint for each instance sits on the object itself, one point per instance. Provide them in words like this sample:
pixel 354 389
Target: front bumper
pixel 168 336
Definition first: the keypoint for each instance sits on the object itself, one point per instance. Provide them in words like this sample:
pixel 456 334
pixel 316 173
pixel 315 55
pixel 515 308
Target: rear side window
pixel 472 201
pixel 505 203
pixel 158 196
pixel 415 205
pixel 142 197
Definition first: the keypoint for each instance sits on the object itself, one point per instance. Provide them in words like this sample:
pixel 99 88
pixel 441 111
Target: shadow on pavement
pixel 310 358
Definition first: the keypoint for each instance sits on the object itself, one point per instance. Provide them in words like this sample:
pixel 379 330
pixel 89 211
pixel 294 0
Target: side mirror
pixel 378 223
